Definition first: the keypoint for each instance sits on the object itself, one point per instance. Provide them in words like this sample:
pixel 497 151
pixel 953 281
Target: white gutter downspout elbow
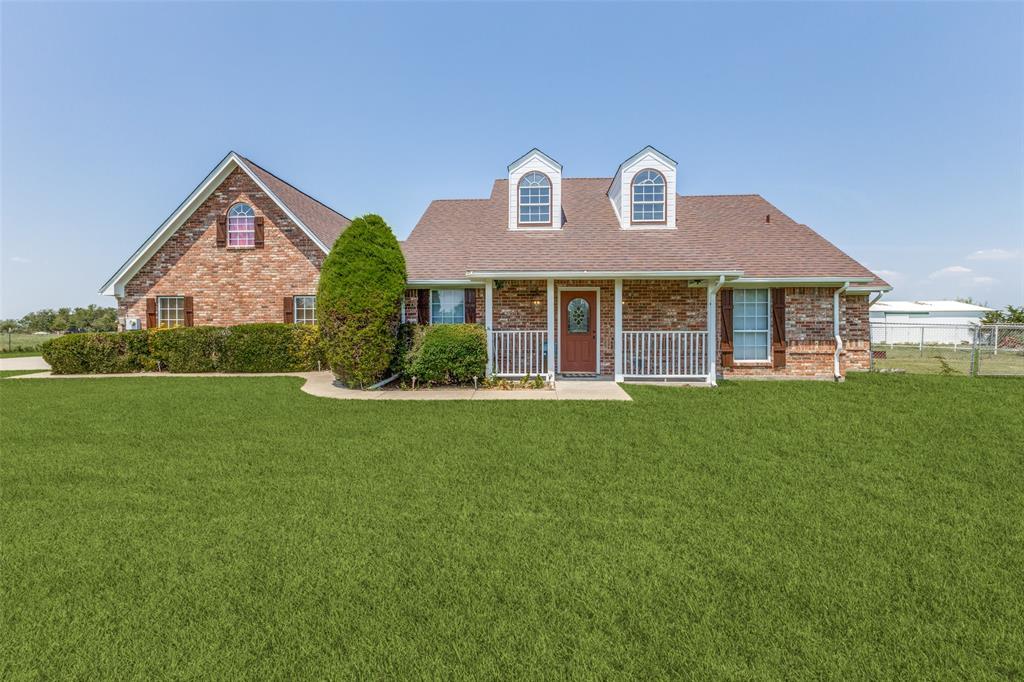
pixel 835 330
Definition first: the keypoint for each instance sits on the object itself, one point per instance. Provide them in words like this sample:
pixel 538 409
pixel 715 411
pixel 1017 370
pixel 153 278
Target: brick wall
pixel 810 344
pixel 663 305
pixel 228 286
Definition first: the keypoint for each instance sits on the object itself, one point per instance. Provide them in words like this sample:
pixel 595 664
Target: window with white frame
pixel 447 306
pixel 750 320
pixel 535 199
pixel 241 226
pixel 305 309
pixel 170 311
pixel 648 197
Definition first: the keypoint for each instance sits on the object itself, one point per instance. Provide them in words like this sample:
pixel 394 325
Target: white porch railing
pixel 664 355
pixel 518 353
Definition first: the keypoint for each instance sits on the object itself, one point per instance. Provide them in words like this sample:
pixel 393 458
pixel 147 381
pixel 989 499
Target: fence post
pixel 995 343
pixel 920 347
pixel 974 350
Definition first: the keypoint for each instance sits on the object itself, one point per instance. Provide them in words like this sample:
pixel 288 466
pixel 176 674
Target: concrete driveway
pixel 23 363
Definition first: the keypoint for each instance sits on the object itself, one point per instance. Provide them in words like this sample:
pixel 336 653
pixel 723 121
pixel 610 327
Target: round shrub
pixel 188 349
pixel 362 284
pixel 447 354
pixel 98 353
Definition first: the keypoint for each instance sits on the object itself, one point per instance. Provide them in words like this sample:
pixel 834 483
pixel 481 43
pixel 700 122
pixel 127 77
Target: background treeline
pixel 92 318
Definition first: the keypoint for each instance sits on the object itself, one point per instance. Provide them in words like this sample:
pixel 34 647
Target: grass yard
pixel 237 528
pixel 22 345
pixel 950 361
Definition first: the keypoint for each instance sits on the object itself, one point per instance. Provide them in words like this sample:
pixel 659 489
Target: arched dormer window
pixel 535 199
pixel 241 226
pixel 648 197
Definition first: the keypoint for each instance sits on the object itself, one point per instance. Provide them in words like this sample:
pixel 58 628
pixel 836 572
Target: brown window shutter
pixel 150 313
pixel 778 327
pixel 726 296
pixel 423 306
pixel 189 317
pixel 289 309
pixel 469 299
pixel 258 235
pixel 222 231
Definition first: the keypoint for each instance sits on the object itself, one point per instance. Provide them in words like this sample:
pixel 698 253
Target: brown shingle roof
pixel 715 233
pixel 326 223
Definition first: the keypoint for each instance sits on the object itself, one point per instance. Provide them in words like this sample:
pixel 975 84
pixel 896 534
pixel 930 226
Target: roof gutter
pixel 835 330
pixel 603 274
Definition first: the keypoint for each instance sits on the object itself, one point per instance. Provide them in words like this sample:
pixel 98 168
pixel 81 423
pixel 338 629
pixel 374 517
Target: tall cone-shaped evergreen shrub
pixel 362 285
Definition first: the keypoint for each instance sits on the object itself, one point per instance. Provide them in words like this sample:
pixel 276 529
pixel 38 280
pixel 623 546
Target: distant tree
pixel 93 318
pixel 1012 315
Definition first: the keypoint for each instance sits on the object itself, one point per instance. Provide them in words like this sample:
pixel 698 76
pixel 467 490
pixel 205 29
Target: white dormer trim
pixel 620 192
pixel 115 285
pixel 535 161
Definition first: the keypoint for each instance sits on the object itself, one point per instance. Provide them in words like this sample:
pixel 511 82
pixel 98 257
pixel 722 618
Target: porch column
pixel 551 328
pixel 712 344
pixel 489 323
pixel 618 331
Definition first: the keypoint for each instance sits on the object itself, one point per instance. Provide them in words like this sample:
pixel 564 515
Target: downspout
pixel 835 330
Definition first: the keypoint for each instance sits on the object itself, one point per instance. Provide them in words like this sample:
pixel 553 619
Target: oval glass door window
pixel 578 311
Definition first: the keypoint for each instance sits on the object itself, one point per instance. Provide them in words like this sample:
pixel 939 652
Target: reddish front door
pixel 578 345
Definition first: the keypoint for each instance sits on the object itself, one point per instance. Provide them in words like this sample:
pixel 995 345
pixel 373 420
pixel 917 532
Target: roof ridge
pixel 305 194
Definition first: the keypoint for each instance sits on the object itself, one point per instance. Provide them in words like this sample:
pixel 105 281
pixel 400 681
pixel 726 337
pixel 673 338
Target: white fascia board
pixel 532 153
pixel 665 158
pixel 420 283
pixel 115 285
pixel 603 274
pixel 802 280
pixel 868 290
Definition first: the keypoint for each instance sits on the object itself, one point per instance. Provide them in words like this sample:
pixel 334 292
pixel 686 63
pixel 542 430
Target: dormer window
pixel 241 226
pixel 534 199
pixel 648 197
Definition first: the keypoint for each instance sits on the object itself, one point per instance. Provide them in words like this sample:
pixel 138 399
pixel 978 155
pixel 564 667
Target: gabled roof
pixel 538 153
pixel 721 234
pixel 319 222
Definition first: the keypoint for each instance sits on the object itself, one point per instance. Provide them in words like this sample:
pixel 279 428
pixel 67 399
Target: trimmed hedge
pixel 269 347
pixel 362 286
pixel 447 354
pixel 98 353
pixel 188 349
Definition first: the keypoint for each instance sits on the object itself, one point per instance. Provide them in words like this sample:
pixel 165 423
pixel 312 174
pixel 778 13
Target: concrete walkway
pixel 321 384
pixel 7 364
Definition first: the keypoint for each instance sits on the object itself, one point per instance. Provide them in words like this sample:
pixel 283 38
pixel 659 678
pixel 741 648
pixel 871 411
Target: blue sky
pixel 895 130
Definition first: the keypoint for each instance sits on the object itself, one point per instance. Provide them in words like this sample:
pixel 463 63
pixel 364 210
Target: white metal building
pixel 928 322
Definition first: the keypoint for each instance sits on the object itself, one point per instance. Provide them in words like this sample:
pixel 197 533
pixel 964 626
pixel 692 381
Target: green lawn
pixel 237 528
pixel 950 360
pixel 22 345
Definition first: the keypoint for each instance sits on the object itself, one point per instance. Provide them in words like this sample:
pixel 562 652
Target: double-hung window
pixel 648 197
pixel 447 306
pixel 170 311
pixel 750 316
pixel 305 309
pixel 535 199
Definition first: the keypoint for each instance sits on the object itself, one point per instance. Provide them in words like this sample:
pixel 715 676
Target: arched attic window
pixel 241 226
pixel 648 197
pixel 535 199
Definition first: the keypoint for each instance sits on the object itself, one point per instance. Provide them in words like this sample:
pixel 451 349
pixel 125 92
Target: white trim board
pixel 115 285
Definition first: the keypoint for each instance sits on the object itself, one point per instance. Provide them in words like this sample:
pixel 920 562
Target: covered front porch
pixel 623 328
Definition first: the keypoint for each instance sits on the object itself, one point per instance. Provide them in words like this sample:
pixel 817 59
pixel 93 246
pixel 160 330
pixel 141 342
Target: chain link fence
pixel 953 349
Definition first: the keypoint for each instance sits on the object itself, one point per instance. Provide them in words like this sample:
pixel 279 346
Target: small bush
pixel 265 347
pixel 447 354
pixel 308 347
pixel 98 353
pixel 188 349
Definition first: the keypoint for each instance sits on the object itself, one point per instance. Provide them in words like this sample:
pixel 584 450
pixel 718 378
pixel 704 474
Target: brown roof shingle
pixel 326 223
pixel 714 233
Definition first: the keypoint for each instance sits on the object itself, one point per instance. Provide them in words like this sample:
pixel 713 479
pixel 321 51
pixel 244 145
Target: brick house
pixel 618 276
pixel 623 277
pixel 245 246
